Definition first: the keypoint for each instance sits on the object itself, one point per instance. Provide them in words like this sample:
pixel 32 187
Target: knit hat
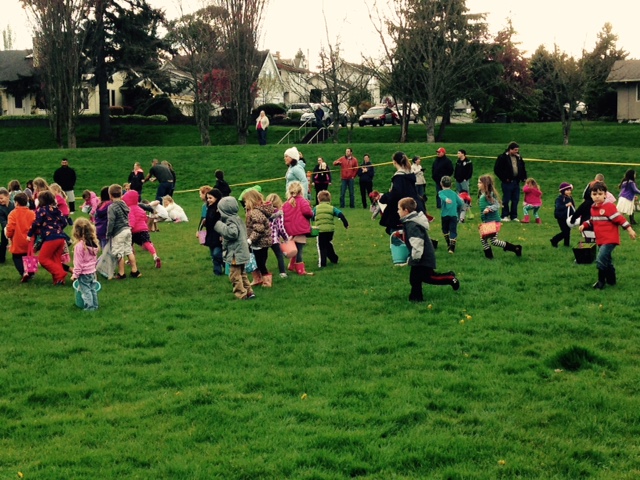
pixel 292 153
pixel 565 186
pixel 441 150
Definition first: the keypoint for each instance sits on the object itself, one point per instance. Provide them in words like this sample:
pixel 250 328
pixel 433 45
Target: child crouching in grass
pixel 422 257
pixel 604 221
pixel 235 247
pixel 85 258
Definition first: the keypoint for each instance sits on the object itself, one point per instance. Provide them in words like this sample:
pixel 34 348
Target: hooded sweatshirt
pixel 416 229
pixel 137 216
pixel 85 258
pixel 233 232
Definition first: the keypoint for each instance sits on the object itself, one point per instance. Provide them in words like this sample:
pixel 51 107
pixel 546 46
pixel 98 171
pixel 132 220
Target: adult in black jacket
pixel 366 173
pixel 441 167
pixel 403 184
pixel 65 176
pixel 510 170
pixel 463 171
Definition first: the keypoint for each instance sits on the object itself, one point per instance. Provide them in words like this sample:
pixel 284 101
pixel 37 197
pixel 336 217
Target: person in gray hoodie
pixel 235 248
pixel 422 256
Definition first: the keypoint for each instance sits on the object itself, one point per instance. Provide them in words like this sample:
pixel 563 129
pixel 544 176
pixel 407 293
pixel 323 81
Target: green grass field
pixel 525 372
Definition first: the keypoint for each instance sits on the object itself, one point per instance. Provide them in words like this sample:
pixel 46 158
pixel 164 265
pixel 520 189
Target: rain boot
pixel 446 237
pixel 488 253
pixel 292 264
pixel 538 221
pixel 300 269
pixel 526 219
pixel 452 246
pixel 257 278
pixel 510 247
pixel 632 220
pixel 267 280
pixel 602 276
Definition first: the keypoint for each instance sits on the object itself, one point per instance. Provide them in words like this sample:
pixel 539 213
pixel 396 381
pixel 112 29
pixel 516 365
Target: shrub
pixel 115 110
pixel 161 105
pixel 270 109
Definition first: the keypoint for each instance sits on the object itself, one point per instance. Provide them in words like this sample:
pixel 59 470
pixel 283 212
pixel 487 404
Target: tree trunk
pixel 201 112
pixel 566 129
pixel 102 78
pixel 431 128
pixel 71 133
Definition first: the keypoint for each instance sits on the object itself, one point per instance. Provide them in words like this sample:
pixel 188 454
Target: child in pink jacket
pixel 139 227
pixel 85 259
pixel 297 217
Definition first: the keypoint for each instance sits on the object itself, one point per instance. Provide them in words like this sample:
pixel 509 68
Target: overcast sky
pixel 293 24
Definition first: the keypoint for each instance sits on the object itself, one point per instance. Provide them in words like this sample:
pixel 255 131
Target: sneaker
pixel 515 220
pixel 250 296
pixel 283 275
pixel 451 251
pixel 117 276
pixel 135 274
pixel 158 262
pixel 455 283
pixel 506 219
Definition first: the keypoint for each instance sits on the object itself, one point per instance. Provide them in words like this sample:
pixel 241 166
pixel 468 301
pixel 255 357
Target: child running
pixel 565 207
pixel 85 258
pixel 452 205
pixel 278 232
pixel 18 225
pixel 628 191
pixel 49 225
pixel 324 214
pixel 119 233
pixel 100 218
pixel 605 220
pixel 489 203
pixel 235 247
pixel 139 228
pixel 532 200
pixel 422 256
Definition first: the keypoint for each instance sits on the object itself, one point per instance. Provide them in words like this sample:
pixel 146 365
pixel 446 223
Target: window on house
pixel 637 92
pixel 113 98
pixel 18 102
pixel 85 98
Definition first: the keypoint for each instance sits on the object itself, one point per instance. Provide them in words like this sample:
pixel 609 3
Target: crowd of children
pixel 34 219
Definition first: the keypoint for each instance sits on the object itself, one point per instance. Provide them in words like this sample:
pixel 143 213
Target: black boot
pixel 446 237
pixel 488 253
pixel 611 275
pixel 602 275
pixel 510 247
pixel 632 220
pixel 452 246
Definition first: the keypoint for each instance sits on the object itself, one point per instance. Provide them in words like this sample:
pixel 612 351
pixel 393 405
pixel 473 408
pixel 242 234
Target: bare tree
pixel 340 78
pixel 197 39
pixel 60 37
pixel 240 30
pixel 8 38
pixel 435 46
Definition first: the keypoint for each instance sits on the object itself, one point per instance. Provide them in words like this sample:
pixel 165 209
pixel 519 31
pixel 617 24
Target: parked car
pixel 299 108
pixel 413 113
pixel 327 119
pixel 580 110
pixel 379 115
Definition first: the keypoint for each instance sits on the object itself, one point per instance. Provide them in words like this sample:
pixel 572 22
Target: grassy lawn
pixel 525 372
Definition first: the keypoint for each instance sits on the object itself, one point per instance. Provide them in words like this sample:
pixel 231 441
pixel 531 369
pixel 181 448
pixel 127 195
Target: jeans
pixel 343 189
pixel 87 285
pixel 450 227
pixel 218 262
pixel 165 188
pixel 510 199
pixel 262 136
pixel 438 189
pixel 603 259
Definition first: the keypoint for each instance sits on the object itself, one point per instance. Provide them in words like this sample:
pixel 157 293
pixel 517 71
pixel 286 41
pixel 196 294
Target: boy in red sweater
pixel 604 221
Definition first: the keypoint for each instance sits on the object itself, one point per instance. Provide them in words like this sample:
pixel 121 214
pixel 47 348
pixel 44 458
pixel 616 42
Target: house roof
pixel 15 64
pixel 624 71
pixel 290 68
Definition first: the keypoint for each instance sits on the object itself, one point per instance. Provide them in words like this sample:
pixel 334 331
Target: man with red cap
pixel 442 167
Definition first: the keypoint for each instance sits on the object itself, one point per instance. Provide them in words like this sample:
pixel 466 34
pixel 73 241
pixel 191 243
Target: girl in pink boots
pixel 259 234
pixel 532 200
pixel 297 217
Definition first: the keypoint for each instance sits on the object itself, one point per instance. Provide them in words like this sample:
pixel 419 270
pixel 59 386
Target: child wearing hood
pixel 422 257
pixel 139 227
pixel 235 247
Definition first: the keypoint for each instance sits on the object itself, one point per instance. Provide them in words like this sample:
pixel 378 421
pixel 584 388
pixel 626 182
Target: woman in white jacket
pixel 262 124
